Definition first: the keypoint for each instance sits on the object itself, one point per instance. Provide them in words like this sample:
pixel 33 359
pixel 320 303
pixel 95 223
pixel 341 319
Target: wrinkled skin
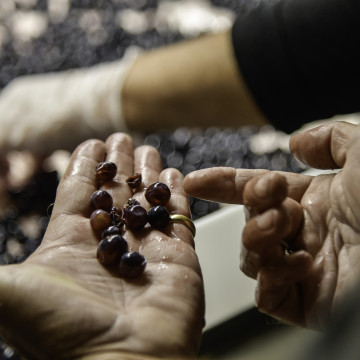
pixel 61 303
pixel 315 218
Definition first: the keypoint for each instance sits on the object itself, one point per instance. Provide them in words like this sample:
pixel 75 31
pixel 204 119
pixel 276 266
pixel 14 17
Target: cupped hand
pixel 301 241
pixel 61 303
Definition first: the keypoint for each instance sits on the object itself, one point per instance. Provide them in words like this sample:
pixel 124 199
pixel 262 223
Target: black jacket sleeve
pixel 300 58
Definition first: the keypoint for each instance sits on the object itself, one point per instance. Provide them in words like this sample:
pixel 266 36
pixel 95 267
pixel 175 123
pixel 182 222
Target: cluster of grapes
pixel 108 221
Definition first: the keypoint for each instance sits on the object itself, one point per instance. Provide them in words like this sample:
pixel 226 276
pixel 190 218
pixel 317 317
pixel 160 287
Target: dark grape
pixel 101 199
pixel 111 249
pixel 134 181
pixel 105 171
pixel 110 231
pixel 99 220
pixel 135 217
pixel 132 264
pixel 157 194
pixel 158 217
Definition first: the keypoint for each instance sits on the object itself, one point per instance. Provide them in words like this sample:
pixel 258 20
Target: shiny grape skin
pixel 111 249
pixel 101 199
pixel 132 264
pixel 158 194
pixel 135 217
pixel 110 231
pixel 99 220
pixel 158 217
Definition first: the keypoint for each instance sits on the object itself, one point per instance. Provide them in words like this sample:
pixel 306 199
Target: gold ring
pixel 182 219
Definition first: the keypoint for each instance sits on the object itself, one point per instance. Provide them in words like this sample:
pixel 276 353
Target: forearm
pixel 192 83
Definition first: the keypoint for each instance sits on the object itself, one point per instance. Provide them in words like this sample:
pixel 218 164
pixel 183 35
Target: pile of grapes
pixel 110 223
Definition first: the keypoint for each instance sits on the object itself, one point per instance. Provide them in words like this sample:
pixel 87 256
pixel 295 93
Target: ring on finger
pixel 182 219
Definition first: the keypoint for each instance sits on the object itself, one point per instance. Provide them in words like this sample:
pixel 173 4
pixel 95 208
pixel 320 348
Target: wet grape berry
pixel 132 264
pixel 110 231
pixel 158 217
pixel 135 217
pixel 99 220
pixel 111 249
pixel 101 199
pixel 157 194
pixel 105 171
pixel 134 181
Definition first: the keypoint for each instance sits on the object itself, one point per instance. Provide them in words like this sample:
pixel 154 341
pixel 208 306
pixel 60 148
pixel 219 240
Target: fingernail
pixel 266 220
pixel 261 187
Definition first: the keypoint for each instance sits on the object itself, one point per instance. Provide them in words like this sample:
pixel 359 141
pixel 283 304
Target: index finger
pixel 226 185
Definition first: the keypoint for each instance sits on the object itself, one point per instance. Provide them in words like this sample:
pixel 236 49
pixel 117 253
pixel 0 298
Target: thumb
pixel 24 295
pixel 325 146
pixel 37 307
pixel 15 307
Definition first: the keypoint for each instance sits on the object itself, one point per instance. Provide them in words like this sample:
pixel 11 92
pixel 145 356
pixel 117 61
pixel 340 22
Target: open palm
pixel 61 303
pixel 315 216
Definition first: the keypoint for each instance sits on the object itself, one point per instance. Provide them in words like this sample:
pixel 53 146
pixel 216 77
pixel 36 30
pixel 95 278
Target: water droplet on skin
pixel 159 238
pixel 162 266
